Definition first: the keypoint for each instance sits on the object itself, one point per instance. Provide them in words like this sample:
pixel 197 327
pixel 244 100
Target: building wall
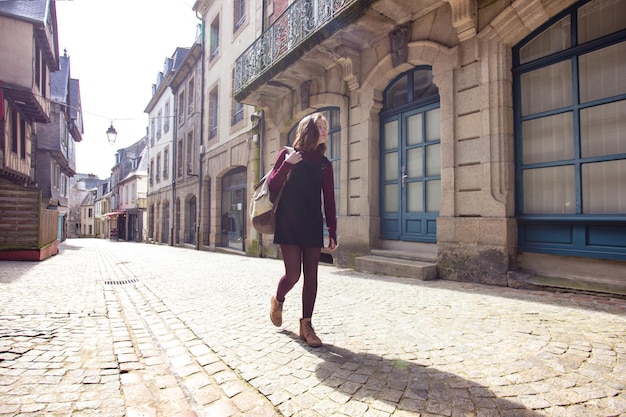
pixel 17 52
pixel 476 227
pixel 231 147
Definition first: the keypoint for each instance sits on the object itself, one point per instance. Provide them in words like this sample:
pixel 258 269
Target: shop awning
pixel 114 213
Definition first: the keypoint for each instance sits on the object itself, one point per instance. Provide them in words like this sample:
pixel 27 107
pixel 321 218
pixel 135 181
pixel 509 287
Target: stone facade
pixel 468 45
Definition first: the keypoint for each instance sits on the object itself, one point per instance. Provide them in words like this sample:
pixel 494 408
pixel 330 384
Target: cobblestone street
pixel 126 329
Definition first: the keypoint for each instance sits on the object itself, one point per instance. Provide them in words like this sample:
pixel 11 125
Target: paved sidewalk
pixel 126 329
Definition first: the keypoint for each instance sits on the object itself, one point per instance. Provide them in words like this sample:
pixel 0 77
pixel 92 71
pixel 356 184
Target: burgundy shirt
pixel 296 216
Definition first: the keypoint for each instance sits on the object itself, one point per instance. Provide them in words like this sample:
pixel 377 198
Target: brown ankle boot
pixel 276 312
pixel 307 333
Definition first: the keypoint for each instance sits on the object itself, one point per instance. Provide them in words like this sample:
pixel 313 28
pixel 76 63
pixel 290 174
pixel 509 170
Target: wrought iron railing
pixel 297 24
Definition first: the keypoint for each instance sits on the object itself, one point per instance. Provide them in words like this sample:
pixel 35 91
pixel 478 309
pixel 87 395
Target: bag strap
pixel 280 193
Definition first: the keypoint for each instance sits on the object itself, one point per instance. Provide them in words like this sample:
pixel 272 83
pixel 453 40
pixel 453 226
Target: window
pixel 166 117
pixel 63 185
pixel 151 172
pixel 56 175
pixel 22 138
pixel 158 121
pixel 570 124
pixel 190 97
pixel 166 162
pixel 190 153
pixel 240 14
pixel 179 159
pixel 14 131
pixel 152 131
pixel 158 168
pixel 236 107
pixel 214 40
pixel 213 106
pixel 181 107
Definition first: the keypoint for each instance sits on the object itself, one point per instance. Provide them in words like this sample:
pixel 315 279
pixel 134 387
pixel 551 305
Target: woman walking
pixel 299 222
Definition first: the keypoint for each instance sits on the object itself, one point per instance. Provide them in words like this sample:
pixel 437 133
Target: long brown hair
pixel 307 134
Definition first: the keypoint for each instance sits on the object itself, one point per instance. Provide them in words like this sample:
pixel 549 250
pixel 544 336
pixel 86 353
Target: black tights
pixel 294 257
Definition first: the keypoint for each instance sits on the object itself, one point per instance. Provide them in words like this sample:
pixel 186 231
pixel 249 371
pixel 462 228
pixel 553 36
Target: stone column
pixel 476 231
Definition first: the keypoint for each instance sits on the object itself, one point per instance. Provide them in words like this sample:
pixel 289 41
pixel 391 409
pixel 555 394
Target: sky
pixel 116 49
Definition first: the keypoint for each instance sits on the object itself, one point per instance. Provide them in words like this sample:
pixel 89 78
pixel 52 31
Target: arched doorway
pixel 233 216
pixel 191 221
pixel 410 149
pixel 165 225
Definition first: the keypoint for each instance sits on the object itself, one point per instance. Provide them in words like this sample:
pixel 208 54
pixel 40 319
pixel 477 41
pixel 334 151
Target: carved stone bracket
pixel 464 17
pixel 305 94
pixel 399 43
pixel 348 58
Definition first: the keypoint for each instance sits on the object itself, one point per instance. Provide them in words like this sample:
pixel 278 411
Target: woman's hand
pixel 293 158
pixel 332 244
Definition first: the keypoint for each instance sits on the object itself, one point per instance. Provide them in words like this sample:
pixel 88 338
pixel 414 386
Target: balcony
pixel 300 28
pixel 29 101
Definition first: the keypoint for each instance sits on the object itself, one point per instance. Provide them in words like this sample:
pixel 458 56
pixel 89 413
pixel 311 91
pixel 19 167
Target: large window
pixel 570 114
pixel 239 14
pixel 214 40
pixel 213 110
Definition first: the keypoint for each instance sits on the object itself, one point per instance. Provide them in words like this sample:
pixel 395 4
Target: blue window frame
pixel 570 133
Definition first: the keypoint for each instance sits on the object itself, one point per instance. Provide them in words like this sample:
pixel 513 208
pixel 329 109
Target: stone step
pixel 523 279
pixel 397 266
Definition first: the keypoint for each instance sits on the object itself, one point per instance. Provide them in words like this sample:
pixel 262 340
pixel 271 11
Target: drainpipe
pixel 172 211
pixel 261 166
pixel 200 173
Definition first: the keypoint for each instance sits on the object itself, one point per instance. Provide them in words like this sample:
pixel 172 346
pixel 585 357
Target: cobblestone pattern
pixel 128 357
pixel 115 328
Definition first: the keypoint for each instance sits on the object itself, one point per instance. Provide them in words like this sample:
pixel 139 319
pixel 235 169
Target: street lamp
pixel 111 134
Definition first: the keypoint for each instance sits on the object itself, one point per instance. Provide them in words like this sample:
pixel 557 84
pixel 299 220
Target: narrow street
pixel 127 329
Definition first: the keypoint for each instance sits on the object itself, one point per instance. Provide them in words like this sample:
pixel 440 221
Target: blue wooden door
pixel 411 174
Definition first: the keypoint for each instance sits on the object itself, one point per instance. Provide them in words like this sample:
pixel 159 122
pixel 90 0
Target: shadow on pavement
pixel 406 385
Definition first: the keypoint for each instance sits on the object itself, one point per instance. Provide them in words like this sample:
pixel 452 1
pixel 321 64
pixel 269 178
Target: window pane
pixel 335 145
pixel 547 88
pixel 603 129
pixel 548 139
pixel 397 95
pixel 415 168
pixel 423 86
pixel 433 195
pixel 414 129
pixel 333 118
pixel 603 73
pixel 549 190
pixel 415 197
pixel 391 198
pixel 391 166
pixel 433 160
pixel 599 18
pixel 391 135
pixel 433 125
pixel 604 187
pixel 556 38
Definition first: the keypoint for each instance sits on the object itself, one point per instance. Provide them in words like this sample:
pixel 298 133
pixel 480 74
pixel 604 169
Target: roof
pixel 29 10
pixel 59 80
pixel 42 14
pixel 170 67
pixel 134 152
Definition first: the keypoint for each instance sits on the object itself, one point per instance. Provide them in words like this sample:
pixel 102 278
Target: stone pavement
pixel 125 329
